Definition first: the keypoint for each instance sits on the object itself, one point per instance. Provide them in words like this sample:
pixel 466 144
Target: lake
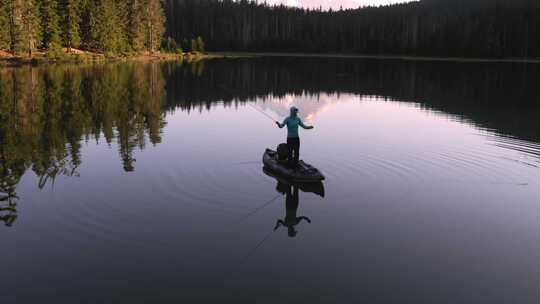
pixel 143 182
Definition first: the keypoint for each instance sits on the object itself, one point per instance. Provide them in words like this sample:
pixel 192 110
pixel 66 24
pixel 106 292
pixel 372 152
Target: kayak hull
pixel 304 173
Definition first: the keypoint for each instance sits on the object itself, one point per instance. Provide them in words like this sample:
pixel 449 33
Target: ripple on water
pixel 222 186
pixel 528 152
pixel 235 188
pixel 84 219
pixel 465 164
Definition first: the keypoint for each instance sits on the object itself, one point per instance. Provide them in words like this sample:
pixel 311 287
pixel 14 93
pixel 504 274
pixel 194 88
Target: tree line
pixel 109 26
pixel 468 28
pixel 457 28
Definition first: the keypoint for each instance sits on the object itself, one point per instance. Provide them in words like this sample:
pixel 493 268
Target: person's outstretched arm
pixel 304 218
pixel 304 126
pixel 281 125
pixel 279 223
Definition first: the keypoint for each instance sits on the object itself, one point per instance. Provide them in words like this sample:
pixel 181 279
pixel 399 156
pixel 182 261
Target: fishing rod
pixel 263 113
pixel 249 104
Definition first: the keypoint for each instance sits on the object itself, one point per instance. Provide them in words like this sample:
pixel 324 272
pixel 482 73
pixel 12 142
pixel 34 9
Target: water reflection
pixel 47 113
pixel 291 219
pixel 292 202
pixel 10 175
pixel 8 209
pixel 430 179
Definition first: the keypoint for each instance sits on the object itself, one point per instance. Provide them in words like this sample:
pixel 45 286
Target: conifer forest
pixel 456 28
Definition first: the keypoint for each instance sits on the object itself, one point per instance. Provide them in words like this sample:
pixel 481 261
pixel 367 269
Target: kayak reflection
pixel 292 202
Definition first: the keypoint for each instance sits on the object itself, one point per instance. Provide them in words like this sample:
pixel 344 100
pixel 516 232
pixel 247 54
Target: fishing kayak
pixel 303 173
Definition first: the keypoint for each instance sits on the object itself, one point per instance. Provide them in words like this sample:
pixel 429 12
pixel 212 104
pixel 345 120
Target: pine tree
pixel 30 26
pixel 22 26
pixel 171 45
pixel 15 26
pixel 135 30
pixel 87 16
pixel 49 23
pixel 200 44
pixel 122 15
pixel 70 15
pixel 4 24
pixel 194 45
pixel 105 28
pixel 185 44
pixel 155 24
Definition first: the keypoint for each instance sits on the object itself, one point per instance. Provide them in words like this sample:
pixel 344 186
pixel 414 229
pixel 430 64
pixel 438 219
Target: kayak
pixel 303 173
pixel 316 188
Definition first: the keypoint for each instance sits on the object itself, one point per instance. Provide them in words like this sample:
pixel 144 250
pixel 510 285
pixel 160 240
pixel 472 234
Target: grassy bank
pixel 64 56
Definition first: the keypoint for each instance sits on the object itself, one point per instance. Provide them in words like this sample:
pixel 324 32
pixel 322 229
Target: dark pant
pixel 294 150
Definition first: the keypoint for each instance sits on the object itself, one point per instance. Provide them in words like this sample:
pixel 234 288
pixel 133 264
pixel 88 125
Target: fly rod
pixel 263 113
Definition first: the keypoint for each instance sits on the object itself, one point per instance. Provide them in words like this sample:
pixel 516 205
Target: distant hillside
pixel 457 28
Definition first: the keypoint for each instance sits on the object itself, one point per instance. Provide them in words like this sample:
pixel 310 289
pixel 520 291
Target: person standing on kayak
pixel 293 139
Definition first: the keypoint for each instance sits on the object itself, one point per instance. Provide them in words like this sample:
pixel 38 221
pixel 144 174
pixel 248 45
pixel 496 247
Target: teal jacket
pixel 292 124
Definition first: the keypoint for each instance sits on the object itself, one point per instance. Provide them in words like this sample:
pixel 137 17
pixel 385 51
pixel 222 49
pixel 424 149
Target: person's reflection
pixel 8 212
pixel 291 219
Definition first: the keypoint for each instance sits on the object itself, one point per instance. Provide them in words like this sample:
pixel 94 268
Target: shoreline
pixel 382 57
pixel 40 59
pixel 78 57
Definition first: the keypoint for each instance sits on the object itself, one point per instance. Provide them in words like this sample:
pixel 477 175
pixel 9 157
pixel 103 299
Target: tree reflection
pixel 482 93
pixel 10 175
pixel 8 213
pixel 47 113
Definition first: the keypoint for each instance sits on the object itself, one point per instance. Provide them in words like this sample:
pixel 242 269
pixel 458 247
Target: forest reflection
pixel 46 113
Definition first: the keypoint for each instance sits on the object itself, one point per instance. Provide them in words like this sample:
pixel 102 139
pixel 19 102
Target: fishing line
pixel 258 209
pixel 252 252
pixel 259 244
pixel 246 257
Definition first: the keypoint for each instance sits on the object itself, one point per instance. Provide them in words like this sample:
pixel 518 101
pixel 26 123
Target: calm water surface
pixel 143 183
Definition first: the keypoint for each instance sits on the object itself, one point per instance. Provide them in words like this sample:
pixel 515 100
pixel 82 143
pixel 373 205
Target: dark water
pixel 143 183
